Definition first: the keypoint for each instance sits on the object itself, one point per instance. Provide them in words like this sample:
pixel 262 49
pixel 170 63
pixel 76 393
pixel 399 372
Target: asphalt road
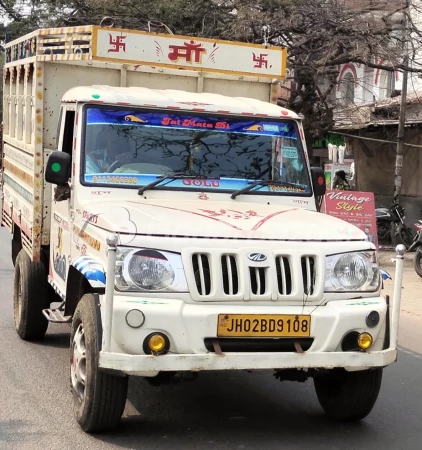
pixel 218 411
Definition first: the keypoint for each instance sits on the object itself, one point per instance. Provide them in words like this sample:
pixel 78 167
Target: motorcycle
pixel 391 227
pixel 417 245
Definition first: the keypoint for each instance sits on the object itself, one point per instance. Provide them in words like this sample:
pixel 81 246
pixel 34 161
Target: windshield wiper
pixel 170 176
pixel 262 183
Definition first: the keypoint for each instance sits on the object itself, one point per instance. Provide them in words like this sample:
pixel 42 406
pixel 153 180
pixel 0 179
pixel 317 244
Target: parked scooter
pixel 391 227
pixel 417 245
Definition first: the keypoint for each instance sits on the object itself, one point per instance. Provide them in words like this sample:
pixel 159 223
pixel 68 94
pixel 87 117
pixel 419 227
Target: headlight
pixel 352 272
pixel 149 270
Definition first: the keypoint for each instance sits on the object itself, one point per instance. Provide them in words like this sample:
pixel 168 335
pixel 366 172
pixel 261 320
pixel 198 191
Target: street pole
pixel 398 174
pixel 400 136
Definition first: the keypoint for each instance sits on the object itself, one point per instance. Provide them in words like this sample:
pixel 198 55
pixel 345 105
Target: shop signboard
pixel 357 208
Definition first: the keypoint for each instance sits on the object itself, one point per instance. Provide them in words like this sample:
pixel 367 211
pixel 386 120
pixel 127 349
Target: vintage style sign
pixel 188 52
pixel 357 208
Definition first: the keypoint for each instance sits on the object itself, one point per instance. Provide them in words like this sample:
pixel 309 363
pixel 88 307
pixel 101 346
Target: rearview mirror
pixel 57 170
pixel 318 181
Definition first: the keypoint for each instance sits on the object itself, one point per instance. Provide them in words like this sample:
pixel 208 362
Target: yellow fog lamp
pixel 156 343
pixel 365 340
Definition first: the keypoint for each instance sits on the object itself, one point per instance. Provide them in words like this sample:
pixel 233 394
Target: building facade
pixel 367 106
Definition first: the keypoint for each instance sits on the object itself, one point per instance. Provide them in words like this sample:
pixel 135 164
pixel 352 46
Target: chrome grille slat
pixel 201 273
pixel 230 277
pixel 258 280
pixel 284 275
pixel 230 274
pixel 308 274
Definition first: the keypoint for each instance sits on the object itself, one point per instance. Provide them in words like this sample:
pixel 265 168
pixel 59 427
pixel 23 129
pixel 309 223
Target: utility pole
pixel 400 135
pixel 402 121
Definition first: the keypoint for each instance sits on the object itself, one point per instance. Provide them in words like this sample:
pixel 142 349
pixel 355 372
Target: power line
pixel 353 136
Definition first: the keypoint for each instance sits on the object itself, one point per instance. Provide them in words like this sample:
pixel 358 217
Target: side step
pixel 56 315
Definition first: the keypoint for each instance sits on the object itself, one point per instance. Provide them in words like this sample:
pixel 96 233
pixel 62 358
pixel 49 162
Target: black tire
pixel 100 400
pixel 348 396
pixel 417 262
pixel 405 236
pixel 393 236
pixel 30 298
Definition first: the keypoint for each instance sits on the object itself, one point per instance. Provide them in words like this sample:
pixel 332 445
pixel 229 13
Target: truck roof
pixel 175 100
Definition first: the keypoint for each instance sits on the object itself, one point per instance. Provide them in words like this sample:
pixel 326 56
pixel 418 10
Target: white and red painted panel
pixel 189 53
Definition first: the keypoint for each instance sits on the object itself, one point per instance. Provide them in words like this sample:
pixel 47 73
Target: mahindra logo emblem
pixel 257 257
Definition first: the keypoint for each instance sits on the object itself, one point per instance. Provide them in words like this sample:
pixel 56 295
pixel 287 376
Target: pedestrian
pixel 340 182
pixel 371 236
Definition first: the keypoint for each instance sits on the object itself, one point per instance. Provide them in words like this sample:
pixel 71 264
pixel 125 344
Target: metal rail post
pixel 112 241
pixel 395 316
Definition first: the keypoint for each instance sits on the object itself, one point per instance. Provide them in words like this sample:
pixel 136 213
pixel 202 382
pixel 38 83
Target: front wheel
pixel 98 398
pixel 417 262
pixel 405 236
pixel 348 396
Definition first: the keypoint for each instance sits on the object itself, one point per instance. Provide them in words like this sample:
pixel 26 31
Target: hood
pixel 207 219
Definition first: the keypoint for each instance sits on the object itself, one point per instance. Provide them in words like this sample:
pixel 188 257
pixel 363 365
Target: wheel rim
pixel 78 365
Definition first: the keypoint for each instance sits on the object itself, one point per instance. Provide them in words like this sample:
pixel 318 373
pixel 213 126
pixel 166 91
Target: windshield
pixel 125 147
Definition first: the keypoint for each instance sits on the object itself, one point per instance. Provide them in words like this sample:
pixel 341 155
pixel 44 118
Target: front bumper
pixel 188 326
pixel 151 365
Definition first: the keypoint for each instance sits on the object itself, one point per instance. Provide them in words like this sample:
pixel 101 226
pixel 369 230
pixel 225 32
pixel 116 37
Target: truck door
pixel 62 210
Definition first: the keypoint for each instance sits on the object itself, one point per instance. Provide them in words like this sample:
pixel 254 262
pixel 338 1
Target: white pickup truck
pixel 163 204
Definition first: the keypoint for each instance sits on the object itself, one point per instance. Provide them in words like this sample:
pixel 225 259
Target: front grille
pixel 202 273
pixel 284 275
pixel 230 275
pixel 244 345
pixel 308 274
pixel 258 280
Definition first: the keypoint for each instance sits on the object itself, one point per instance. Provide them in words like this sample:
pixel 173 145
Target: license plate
pixel 266 325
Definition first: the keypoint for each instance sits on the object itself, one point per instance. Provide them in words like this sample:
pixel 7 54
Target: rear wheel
pixel 417 262
pixel 99 398
pixel 348 396
pixel 30 298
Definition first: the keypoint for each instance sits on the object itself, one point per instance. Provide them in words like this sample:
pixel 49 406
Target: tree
pixel 321 35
